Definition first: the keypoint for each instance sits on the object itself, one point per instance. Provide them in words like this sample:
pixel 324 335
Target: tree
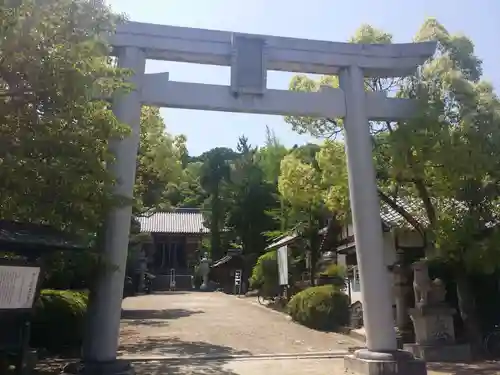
pixel 269 159
pixel 334 183
pixel 300 183
pixel 187 192
pixel 53 133
pixel 454 149
pixel 251 198
pixel 446 157
pixel 159 162
pixel 215 173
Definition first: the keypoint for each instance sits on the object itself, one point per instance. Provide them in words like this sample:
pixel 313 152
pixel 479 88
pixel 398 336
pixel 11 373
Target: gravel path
pixel 192 323
pixel 180 327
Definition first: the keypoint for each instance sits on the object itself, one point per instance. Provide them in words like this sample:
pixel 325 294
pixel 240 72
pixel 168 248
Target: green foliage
pixel 299 182
pixel 269 157
pixel 335 270
pixel 302 185
pixel 54 59
pixel 59 320
pixel 336 275
pixel 187 192
pixel 322 307
pixel 215 175
pixel 251 198
pixel 445 158
pixel 158 162
pixel 71 270
pixel 265 274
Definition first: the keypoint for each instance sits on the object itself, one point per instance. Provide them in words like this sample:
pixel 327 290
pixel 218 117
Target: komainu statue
pixel 422 284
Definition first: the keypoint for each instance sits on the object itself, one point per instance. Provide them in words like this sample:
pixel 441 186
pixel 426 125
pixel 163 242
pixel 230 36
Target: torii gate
pixel 250 57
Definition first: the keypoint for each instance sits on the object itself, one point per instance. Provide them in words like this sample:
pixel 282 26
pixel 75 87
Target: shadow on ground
pixel 483 368
pixel 155 318
pixel 169 292
pixel 183 367
pixel 172 366
pixel 178 366
pixel 174 347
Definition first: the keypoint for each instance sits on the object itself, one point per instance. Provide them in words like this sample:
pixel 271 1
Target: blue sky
pixel 312 19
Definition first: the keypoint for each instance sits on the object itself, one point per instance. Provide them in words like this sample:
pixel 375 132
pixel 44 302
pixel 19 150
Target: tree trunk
pixel 283 219
pixel 215 240
pixel 312 268
pixel 314 248
pixel 467 306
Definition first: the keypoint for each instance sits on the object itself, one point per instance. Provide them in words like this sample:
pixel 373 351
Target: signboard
pixel 237 277
pixel 172 279
pixel 237 282
pixel 18 285
pixel 283 265
pixel 248 65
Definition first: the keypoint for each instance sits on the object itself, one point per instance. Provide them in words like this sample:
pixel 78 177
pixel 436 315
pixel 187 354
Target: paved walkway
pixel 186 324
pixel 191 333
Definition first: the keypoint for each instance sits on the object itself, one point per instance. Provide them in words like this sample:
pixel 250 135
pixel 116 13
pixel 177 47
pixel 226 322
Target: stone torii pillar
pixel 365 208
pixel 101 341
pixel 382 356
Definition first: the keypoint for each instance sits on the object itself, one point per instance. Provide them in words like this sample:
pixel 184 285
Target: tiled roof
pixel 173 222
pixel 414 207
pixel 391 218
pixel 282 241
pixel 28 236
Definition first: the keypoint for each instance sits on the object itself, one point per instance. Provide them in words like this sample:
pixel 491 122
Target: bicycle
pixel 491 343
pixel 266 299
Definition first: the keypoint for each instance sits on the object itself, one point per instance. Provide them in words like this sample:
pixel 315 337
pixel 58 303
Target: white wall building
pixel 408 238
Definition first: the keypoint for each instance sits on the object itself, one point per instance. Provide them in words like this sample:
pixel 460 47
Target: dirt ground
pixel 195 323
pixel 193 333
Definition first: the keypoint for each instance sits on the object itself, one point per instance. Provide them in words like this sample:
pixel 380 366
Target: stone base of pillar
pixel 365 362
pixel 118 367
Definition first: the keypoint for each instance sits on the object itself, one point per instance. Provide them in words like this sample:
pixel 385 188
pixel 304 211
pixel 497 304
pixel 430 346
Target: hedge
pixel 265 274
pixel 59 320
pixel 323 308
pixel 333 274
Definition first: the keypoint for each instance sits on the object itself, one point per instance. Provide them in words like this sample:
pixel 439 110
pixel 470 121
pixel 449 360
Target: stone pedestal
pixel 204 286
pixel 398 362
pixel 204 269
pixel 401 290
pixel 435 335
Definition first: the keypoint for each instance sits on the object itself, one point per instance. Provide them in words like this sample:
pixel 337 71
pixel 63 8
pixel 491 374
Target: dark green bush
pixel 59 320
pixel 324 308
pixel 70 269
pixel 334 274
pixel 265 274
pixel 335 270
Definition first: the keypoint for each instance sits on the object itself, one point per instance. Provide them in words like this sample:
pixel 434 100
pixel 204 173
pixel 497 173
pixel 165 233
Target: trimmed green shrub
pixel 334 274
pixel 323 308
pixel 265 274
pixel 59 320
pixel 335 270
